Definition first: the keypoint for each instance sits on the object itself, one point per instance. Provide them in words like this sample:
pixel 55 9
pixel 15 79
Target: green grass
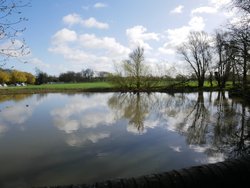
pixel 88 85
pixel 100 86
pixel 60 87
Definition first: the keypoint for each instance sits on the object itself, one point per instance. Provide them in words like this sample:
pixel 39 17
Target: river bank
pixel 102 87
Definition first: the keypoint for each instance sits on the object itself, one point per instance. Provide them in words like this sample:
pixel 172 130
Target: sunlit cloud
pixel 220 3
pixel 138 36
pixel 63 36
pixel 177 10
pixel 79 48
pixel 177 36
pixel 112 47
pixel 207 10
pixel 75 19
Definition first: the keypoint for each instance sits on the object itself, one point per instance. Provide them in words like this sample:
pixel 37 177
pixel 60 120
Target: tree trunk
pixel 200 82
pixel 245 73
pixel 138 83
pixel 233 76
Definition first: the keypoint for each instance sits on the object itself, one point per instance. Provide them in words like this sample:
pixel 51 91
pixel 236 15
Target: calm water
pixel 53 139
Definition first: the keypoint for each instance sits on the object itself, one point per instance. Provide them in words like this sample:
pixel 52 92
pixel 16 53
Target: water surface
pixel 58 139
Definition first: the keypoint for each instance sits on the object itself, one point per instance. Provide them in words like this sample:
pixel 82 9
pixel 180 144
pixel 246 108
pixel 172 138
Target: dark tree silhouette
pixel 197 53
pixel 225 57
pixel 240 34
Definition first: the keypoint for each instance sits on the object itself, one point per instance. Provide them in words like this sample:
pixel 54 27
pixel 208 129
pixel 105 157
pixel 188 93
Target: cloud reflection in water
pixel 81 119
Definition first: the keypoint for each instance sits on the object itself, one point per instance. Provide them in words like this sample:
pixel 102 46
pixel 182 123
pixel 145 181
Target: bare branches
pixel 12 45
pixel 242 5
pixel 197 53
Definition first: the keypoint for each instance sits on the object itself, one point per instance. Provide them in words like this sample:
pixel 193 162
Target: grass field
pixel 87 85
pixel 99 87
pixel 60 87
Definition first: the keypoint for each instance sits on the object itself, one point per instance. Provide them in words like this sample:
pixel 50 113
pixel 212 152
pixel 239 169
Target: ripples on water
pixel 52 139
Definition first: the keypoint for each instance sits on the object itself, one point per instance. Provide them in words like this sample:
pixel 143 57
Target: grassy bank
pixel 65 87
pixel 109 87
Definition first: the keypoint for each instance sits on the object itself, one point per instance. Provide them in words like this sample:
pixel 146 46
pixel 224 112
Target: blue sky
pixel 71 35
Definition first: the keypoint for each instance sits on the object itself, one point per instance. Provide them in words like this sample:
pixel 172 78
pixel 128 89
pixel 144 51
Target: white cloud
pixel 214 7
pixel 138 35
pixel 92 22
pixel 74 19
pixel 196 23
pixel 63 36
pixel 97 53
pixel 100 5
pixel 177 10
pixel 79 57
pixel 176 37
pixel 38 63
pixel 220 3
pixel 165 50
pixel 205 9
pixel 108 43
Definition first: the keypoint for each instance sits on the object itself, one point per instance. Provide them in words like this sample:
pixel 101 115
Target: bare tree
pixel 225 57
pixel 242 5
pixel 133 73
pixel 11 42
pixel 197 53
pixel 134 67
pixel 240 34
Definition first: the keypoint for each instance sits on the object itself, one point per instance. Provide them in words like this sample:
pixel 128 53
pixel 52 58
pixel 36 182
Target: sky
pixel 72 35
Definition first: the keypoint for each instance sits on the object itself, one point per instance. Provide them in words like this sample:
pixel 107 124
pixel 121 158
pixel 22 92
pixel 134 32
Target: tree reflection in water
pixel 232 127
pixel 197 121
pixel 132 106
pixel 212 121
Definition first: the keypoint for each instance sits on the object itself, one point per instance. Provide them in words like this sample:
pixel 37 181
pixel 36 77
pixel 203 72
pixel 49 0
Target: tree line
pixel 223 55
pixel 85 75
pixel 15 76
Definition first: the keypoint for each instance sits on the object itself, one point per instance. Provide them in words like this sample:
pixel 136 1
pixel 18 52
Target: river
pixel 61 139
